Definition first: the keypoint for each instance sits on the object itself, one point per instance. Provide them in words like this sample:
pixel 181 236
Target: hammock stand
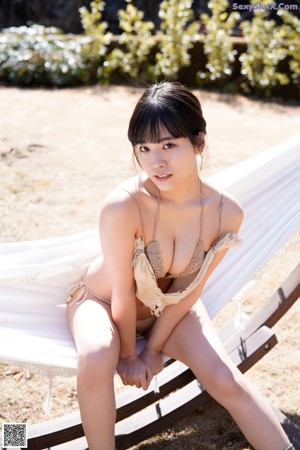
pixel 142 414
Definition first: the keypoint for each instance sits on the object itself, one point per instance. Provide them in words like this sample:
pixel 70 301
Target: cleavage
pixel 154 256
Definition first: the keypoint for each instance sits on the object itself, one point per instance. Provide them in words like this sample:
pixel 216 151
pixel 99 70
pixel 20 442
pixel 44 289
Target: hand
pixel 153 359
pixel 134 372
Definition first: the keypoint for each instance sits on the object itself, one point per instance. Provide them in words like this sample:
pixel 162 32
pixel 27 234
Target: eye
pixel 168 145
pixel 143 149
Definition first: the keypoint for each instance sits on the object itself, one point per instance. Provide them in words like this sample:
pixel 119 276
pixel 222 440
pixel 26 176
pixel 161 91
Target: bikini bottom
pixel 80 292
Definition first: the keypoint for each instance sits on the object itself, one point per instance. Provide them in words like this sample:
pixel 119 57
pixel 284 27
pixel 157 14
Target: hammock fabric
pixel 35 276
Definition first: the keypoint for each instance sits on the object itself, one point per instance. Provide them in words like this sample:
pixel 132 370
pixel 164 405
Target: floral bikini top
pixel 148 265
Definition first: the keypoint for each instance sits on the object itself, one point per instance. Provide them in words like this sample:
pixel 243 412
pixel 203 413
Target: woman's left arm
pixel 164 325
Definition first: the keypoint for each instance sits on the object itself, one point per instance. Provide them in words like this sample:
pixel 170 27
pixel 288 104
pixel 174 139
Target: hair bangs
pixel 152 125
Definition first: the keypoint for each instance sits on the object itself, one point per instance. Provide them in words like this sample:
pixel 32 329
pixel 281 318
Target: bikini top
pixel 153 252
pixel 148 265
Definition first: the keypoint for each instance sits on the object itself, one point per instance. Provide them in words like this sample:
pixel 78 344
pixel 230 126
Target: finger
pixel 144 383
pixel 137 382
pixel 149 376
pixel 130 381
pixel 126 381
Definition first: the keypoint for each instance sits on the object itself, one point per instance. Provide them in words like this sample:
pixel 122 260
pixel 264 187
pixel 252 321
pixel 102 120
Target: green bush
pixel 42 56
pixel 136 42
pixel 291 36
pixel 177 35
pixel 95 50
pixel 265 51
pixel 218 44
pixel 35 56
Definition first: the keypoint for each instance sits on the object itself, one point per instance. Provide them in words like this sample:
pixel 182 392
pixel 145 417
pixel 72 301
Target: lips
pixel 163 176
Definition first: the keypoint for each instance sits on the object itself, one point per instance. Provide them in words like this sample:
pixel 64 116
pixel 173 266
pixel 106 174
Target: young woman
pixel 162 234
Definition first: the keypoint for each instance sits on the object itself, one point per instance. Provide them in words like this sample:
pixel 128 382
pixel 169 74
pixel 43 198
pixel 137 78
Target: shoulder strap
pixel 220 207
pixel 201 212
pixel 138 207
pixel 156 215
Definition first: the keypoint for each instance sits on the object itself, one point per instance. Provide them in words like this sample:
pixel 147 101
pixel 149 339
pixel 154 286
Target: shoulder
pixel 231 213
pixel 229 209
pixel 120 206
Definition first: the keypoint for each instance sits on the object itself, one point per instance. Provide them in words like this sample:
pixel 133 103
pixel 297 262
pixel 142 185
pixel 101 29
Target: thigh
pixel 195 342
pixel 92 326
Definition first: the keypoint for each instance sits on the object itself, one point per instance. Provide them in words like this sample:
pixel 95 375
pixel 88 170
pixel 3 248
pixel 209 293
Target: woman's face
pixel 170 162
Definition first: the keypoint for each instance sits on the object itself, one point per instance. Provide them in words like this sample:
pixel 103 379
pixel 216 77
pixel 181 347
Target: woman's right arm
pixel 119 222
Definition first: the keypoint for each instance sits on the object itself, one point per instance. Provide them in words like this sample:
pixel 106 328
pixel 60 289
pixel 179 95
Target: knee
pixel 97 365
pixel 226 384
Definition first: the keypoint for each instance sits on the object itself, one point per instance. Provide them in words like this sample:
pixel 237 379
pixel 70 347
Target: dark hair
pixel 169 105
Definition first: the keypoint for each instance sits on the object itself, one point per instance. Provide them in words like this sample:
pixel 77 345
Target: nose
pixel 158 160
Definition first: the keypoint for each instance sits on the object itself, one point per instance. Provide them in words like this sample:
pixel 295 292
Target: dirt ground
pixel 61 151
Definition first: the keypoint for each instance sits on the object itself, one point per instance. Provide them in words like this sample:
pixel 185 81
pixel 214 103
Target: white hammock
pixel 35 276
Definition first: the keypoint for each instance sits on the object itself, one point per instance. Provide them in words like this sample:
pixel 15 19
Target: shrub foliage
pixel 176 36
pixel 218 45
pixel 131 58
pixel 37 55
pixel 265 51
pixel 95 50
pixel 43 56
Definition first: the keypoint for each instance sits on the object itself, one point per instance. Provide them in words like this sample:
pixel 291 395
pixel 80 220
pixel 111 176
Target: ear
pixel 200 143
